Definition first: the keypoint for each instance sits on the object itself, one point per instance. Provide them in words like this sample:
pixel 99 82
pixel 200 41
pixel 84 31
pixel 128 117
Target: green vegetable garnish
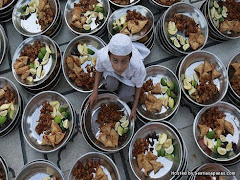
pixel 31 65
pixel 219 143
pixel 40 55
pixel 65 114
pixel 57 119
pixel 91 52
pixel 211 134
pixel 3 119
pixel 43 50
pixel 164 81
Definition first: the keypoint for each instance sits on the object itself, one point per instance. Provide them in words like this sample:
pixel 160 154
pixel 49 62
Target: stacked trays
pixel 223 147
pixel 186 70
pixel 50 72
pixel 146 35
pixel 211 168
pixel 93 43
pixel 159 3
pixel 115 5
pixel 6 11
pixel 156 73
pixel 106 164
pixel 3 168
pixel 90 128
pixel 177 43
pixel 12 121
pixel 217 16
pixel 28 26
pixel 175 160
pixel 40 169
pixel 31 116
pixel 93 28
pixel 3 44
pixel 234 72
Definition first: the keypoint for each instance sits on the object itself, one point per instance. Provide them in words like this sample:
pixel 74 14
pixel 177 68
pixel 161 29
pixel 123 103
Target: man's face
pixel 119 63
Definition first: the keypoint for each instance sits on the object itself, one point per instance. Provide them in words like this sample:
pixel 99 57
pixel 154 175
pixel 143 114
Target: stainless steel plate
pixel 230 71
pixel 232 115
pixel 94 43
pixel 187 10
pixel 141 9
pixel 132 3
pixel 3 44
pixel 191 61
pixel 68 18
pixel 92 127
pixel 29 27
pixel 215 168
pixel 13 88
pixel 156 72
pixel 165 172
pixel 108 166
pixel 48 68
pixel 4 168
pixel 39 169
pixel 31 116
pixel 159 5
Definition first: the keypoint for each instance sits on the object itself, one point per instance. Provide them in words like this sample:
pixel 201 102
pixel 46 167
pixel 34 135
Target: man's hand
pixel 92 99
pixel 133 115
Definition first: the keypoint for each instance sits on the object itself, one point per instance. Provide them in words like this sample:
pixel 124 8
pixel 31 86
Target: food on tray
pixel 123 2
pixel 88 14
pixel 131 23
pixel 235 79
pixel 164 89
pixel 90 171
pixel 2 173
pixel 4 3
pixel 149 151
pixel 40 9
pixel 81 66
pixel 50 178
pixel 33 62
pixel 185 33
pixel 201 86
pixel 226 15
pixel 8 107
pixel 113 125
pixel 53 123
pixel 168 2
pixel 216 134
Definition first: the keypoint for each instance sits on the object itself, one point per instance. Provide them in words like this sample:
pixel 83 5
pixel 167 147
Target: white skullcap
pixel 120 45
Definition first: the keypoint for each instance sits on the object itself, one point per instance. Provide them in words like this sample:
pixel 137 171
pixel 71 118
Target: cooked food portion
pixel 90 171
pixel 148 150
pixel 192 34
pixel 214 128
pixel 4 3
pixel 45 14
pixel 235 79
pixel 53 123
pixel 131 23
pixel 108 136
pixel 113 125
pixel 81 66
pixel 2 173
pixel 122 2
pixel 165 88
pixel 148 163
pixel 226 15
pixel 168 2
pixel 31 62
pixel 8 101
pixel 87 15
pixel 201 87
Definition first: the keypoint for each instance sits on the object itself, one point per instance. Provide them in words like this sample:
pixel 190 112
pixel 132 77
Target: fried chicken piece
pixel 207 66
pixel 125 30
pixel 78 24
pixel 59 137
pixel 150 156
pixel 102 138
pixel 100 174
pixel 52 138
pixel 77 69
pixel 157 89
pixel 203 129
pixel 70 63
pixel 226 26
pixel 156 165
pixel 229 127
pixel 151 97
pixel 21 70
pixel 135 26
pixel 55 128
pixel 76 60
pixel 236 66
pixel 205 77
pixel 219 130
pixel 114 137
pixel 140 158
pixel 2 93
pixel 42 4
pixel 76 14
pixel 25 74
pixel 147 166
pixel 199 69
pixel 215 74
